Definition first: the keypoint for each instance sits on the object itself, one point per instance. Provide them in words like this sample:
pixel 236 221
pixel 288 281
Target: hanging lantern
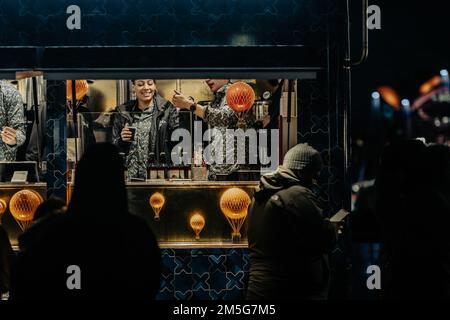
pixel 197 223
pixel 23 205
pixel 81 89
pixel 240 97
pixel 234 205
pixel 3 208
pixel 157 201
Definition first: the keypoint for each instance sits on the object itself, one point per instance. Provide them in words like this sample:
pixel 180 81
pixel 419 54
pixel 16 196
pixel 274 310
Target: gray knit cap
pixel 303 157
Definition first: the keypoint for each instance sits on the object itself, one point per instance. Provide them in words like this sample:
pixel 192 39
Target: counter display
pixel 190 214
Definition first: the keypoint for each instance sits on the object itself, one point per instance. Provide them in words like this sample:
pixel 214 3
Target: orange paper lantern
pixel 81 89
pixel 3 208
pixel 23 205
pixel 240 96
pixel 197 223
pixel 157 201
pixel 234 205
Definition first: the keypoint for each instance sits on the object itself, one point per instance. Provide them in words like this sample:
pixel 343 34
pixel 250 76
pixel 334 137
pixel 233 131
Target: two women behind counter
pixel 143 127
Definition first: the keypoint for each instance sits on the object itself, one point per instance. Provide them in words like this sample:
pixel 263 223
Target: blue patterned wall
pixel 164 22
pixel 204 274
pixel 56 139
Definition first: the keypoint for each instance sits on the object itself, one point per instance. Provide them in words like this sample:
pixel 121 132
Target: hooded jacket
pixel 288 240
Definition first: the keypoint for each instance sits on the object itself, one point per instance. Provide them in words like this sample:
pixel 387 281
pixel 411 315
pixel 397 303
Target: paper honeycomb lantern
pixel 234 203
pixel 240 96
pixel 157 201
pixel 197 223
pixel 3 208
pixel 81 89
pixel 23 204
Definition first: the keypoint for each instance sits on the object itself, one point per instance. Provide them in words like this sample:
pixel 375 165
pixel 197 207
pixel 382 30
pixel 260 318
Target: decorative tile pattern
pixel 56 139
pixel 204 274
pixel 158 22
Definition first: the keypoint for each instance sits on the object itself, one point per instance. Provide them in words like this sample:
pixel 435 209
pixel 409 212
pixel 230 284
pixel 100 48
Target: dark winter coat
pixel 288 241
pixel 165 119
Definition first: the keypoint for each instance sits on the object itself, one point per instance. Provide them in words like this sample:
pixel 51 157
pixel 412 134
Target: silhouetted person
pixel 287 235
pixel 45 214
pixel 6 257
pixel 116 252
pixel 414 211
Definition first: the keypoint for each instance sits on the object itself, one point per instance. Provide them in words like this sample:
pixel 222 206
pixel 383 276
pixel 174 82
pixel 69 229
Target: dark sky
pixel 412 46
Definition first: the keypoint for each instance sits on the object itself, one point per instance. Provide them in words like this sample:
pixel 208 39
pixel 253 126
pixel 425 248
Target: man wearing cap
pixel 12 121
pixel 287 234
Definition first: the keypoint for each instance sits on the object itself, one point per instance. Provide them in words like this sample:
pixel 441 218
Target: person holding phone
pixel 12 121
pixel 288 236
pixel 142 128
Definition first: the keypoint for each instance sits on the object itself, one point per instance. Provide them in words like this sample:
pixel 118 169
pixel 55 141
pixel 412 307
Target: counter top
pixel 192 245
pixel 22 185
pixel 185 183
pixel 205 244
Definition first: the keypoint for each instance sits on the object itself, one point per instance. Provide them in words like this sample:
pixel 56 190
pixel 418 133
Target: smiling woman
pixel 142 128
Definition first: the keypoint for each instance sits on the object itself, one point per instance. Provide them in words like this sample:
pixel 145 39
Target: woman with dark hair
pixel 115 252
pixel 142 128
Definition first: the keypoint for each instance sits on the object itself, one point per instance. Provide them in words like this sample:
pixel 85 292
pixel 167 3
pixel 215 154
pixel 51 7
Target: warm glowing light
pixel 390 96
pixel 81 89
pixel 23 205
pixel 197 223
pixel 157 201
pixel 428 85
pixel 234 205
pixel 3 208
pixel 240 96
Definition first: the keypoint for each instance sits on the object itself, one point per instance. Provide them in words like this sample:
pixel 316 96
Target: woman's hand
pixel 9 136
pixel 126 134
pixel 179 100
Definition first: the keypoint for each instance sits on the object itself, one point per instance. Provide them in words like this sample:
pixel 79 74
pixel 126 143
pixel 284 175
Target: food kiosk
pixel 302 45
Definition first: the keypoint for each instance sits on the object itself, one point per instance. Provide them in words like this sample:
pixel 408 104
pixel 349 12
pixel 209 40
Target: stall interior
pixel 173 177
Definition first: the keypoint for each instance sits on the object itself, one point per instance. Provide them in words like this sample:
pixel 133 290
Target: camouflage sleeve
pixel 223 116
pixel 15 115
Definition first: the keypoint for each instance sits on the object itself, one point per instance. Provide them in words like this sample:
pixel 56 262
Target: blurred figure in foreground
pixel 413 205
pixel 97 249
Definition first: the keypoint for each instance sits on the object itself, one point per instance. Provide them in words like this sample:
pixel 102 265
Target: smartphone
pixel 133 132
pixel 339 216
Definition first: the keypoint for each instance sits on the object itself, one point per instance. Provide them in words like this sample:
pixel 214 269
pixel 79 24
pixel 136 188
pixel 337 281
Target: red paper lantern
pixel 240 96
